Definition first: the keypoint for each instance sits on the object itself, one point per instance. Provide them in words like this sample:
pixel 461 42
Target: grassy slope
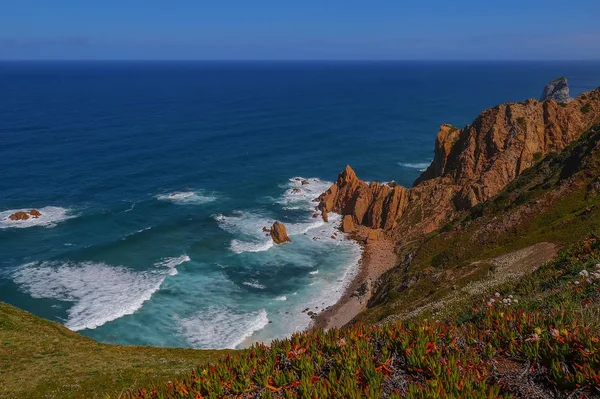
pixel 539 338
pixel 554 201
pixel 42 359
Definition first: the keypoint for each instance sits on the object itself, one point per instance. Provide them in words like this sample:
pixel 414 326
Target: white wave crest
pixel 50 216
pixel 248 227
pixel 221 327
pixel 254 284
pixel 187 197
pixel 172 263
pixel 302 196
pixel 239 246
pixel 100 292
pixel 281 298
pixel 422 166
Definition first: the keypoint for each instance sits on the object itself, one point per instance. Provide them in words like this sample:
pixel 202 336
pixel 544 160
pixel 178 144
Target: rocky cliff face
pixel 557 90
pixel 470 165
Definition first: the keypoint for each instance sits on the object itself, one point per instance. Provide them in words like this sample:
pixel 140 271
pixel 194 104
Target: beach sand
pixel 378 257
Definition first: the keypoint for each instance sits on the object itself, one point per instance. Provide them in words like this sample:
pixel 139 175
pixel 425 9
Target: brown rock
pixel 35 213
pixel 348 224
pixel 324 215
pixel 279 234
pixel 470 165
pixel 19 216
pixel 315 215
pixel 304 182
pixel 266 230
pixel 296 190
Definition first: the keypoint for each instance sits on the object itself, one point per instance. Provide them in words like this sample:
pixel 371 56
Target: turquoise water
pixel 155 180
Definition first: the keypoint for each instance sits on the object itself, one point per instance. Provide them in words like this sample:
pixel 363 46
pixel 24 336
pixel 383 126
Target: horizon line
pixel 295 60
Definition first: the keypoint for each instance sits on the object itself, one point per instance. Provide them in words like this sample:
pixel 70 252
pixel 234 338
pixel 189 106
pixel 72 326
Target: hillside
pixel 473 310
pixel 42 359
pixel 496 292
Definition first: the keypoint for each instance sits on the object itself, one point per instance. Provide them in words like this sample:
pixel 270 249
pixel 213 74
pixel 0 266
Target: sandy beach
pixel 378 257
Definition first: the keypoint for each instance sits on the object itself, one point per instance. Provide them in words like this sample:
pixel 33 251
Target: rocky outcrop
pixel 24 215
pixel 470 165
pixel 374 205
pixel 348 224
pixel 279 233
pixel 505 140
pixel 557 90
pixel 325 215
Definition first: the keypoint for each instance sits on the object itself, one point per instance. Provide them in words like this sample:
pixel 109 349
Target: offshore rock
pixel 279 233
pixel 557 90
pixel 19 216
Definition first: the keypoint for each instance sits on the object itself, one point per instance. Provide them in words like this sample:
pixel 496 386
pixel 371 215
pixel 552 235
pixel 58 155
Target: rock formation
pixel 279 233
pixel 348 224
pixel 470 165
pixel 324 215
pixel 24 215
pixel 557 90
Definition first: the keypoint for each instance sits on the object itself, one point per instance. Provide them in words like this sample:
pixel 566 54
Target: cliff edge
pixel 470 165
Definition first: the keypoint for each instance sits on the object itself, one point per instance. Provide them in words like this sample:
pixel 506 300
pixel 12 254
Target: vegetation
pixel 586 108
pixel 547 341
pixel 534 336
pixel 42 359
pixel 556 201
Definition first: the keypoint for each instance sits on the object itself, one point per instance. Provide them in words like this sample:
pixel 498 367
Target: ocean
pixel 155 180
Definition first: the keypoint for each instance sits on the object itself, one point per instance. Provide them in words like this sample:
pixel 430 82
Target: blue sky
pixel 325 29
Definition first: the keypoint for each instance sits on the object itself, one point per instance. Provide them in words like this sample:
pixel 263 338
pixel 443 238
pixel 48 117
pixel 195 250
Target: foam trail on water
pixel 50 216
pixel 421 166
pixel 220 327
pixel 254 284
pixel 247 227
pixel 187 197
pixel 100 293
pixel 302 196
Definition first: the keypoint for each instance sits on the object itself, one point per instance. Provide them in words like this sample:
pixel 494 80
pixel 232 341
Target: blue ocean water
pixel 155 179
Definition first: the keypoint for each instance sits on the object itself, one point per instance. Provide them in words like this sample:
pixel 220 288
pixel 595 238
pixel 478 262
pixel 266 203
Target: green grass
pixel 42 359
pixel 540 334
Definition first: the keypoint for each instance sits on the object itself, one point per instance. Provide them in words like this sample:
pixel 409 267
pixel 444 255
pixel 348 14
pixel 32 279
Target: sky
pixel 300 30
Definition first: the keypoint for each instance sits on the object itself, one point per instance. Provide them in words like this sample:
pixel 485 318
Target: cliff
pixel 470 165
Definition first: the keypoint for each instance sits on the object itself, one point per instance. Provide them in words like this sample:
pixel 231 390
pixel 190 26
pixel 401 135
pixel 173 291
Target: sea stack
pixel 279 234
pixel 557 90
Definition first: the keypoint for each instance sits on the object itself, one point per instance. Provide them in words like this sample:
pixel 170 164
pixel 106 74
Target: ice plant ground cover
pixel 539 337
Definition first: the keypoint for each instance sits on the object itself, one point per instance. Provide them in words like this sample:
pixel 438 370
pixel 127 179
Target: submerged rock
pixel 557 90
pixel 279 233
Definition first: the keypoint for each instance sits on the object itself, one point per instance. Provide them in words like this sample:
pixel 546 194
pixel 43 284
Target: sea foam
pixel 100 293
pixel 421 166
pixel 50 217
pixel 220 327
pixel 187 197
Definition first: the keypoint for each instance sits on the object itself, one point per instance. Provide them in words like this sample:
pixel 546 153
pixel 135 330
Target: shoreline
pixel 377 257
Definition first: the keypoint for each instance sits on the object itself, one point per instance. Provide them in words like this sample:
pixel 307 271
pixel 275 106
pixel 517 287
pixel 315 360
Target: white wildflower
pixel 497 295
pixel 576 282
